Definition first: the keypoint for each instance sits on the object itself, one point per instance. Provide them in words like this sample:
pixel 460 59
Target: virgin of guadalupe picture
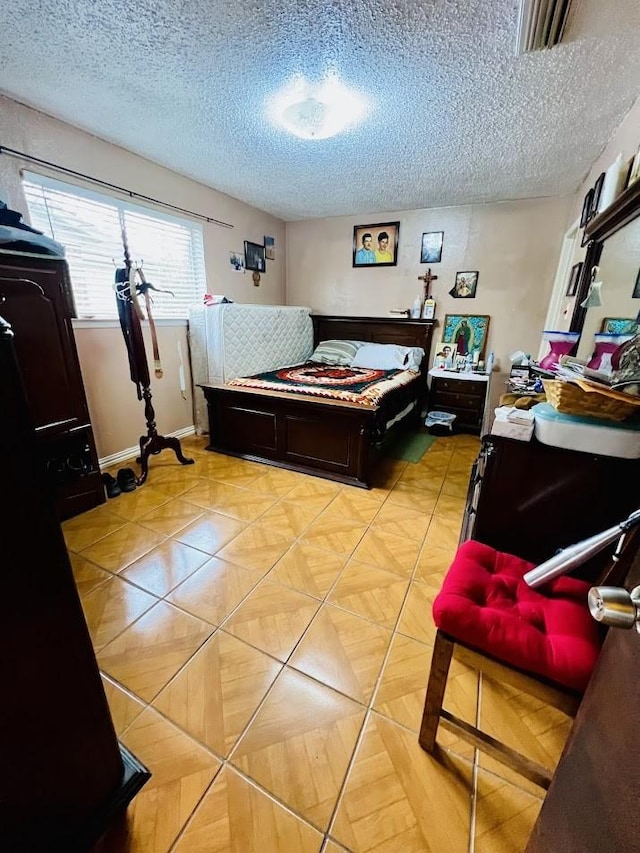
pixel 468 332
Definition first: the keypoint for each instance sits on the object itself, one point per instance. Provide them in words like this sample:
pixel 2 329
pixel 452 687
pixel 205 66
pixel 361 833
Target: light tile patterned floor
pixel 265 640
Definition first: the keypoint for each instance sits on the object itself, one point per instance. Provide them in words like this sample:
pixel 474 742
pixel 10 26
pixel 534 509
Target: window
pixel 90 225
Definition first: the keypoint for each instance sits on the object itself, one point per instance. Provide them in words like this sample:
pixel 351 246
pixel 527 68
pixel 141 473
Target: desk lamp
pixel 610 605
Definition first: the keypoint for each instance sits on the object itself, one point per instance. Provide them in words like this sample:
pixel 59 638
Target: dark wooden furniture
pixel 128 292
pixel 464 398
pixel 529 499
pixel 36 298
pixel 64 774
pixel 592 803
pixel 447 648
pixel 323 437
pixel 623 211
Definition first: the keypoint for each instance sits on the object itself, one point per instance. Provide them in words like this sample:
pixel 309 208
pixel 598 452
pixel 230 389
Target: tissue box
pixel 522 432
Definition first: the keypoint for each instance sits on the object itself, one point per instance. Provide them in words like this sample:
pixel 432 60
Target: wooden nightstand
pixel 462 394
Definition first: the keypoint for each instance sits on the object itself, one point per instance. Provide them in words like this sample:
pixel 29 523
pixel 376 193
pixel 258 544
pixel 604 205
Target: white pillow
pixel 388 357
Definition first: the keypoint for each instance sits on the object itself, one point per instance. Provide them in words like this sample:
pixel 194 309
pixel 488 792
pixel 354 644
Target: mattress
pixel 232 340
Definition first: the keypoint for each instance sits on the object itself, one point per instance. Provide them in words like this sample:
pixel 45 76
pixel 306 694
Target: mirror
pixel 620 276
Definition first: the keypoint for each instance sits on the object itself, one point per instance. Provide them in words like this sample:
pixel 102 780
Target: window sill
pixel 86 323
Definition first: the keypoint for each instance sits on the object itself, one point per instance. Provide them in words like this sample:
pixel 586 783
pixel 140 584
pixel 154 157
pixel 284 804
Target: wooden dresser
pixel 529 499
pixel 463 395
pixel 37 302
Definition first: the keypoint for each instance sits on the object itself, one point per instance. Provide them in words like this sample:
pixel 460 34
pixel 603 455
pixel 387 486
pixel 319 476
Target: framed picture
pixel 376 245
pixel 636 288
pixel 465 286
pixel 597 192
pixel 634 169
pixel 237 261
pixel 467 331
pixel 619 326
pixel 445 352
pixel 574 278
pixel 270 248
pixel 431 251
pixel 254 258
pixel 587 204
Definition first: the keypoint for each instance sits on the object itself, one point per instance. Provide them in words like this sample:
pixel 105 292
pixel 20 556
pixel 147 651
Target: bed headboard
pixel 378 330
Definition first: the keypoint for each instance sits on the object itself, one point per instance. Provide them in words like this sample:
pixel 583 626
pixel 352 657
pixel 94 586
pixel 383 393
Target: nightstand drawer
pixel 466 386
pixel 461 401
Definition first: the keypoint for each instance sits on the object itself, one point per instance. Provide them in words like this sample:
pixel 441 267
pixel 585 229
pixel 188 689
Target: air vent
pixel 541 24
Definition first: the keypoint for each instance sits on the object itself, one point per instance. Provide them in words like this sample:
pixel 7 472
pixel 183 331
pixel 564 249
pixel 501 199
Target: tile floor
pixel 265 639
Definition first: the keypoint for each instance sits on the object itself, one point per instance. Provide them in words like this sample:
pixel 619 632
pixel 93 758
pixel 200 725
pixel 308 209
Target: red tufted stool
pixel 543 641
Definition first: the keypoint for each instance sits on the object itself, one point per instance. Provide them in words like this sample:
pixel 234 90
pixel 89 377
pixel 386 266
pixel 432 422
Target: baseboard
pixel 128 452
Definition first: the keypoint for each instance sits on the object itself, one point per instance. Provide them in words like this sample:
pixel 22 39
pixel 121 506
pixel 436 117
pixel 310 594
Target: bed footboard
pixel 328 441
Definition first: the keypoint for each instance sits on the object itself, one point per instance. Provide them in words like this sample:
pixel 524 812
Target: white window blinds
pixel 89 225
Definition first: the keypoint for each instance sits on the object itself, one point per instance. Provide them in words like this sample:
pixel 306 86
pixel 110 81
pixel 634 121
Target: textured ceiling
pixel 456 117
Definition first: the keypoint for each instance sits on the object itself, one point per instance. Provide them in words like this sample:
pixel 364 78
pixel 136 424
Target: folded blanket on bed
pixel 363 385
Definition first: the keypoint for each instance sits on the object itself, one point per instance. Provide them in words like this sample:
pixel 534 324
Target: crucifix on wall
pixel 427 278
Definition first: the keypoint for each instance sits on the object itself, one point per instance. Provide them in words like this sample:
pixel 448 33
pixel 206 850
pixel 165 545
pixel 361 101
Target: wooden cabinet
pixel 464 398
pixel 530 499
pixel 37 302
pixel 64 775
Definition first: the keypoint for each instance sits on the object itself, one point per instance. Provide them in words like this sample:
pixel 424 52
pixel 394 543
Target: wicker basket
pixel 568 398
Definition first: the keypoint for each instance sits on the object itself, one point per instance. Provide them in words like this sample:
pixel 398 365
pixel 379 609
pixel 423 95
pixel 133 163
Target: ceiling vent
pixel 541 24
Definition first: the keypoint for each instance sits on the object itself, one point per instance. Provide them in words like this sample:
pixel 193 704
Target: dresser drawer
pixel 460 386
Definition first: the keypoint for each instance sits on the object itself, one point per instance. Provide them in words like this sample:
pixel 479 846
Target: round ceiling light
pixel 317 111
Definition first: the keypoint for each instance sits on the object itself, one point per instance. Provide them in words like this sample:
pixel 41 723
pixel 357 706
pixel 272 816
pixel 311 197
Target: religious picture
pixel 467 331
pixel 465 286
pixel 431 251
pixel 376 245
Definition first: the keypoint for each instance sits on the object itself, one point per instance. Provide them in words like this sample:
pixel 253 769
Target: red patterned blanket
pixel 363 385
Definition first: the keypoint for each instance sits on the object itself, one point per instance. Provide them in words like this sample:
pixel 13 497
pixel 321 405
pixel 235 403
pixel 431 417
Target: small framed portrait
pixel 254 257
pixel 597 192
pixel 587 204
pixel 465 285
pixel 376 245
pixel 236 259
pixel 574 278
pixel 634 169
pixel 445 354
pixel 431 251
pixel 270 248
pixel 636 287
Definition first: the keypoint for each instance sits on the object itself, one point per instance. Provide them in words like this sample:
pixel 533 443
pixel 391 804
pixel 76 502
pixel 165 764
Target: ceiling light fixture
pixel 317 111
pixel 541 24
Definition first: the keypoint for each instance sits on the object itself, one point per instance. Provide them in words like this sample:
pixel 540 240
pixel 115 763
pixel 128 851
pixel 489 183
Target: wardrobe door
pixel 35 303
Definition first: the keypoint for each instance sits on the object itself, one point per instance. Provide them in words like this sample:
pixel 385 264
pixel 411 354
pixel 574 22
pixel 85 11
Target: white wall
pixel 513 245
pixel 620 253
pixel 115 412
pixel 625 141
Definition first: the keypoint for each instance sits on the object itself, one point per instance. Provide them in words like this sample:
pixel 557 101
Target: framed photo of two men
pixel 376 245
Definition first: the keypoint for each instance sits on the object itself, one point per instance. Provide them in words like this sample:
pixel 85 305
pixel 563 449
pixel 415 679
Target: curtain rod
pixel 11 152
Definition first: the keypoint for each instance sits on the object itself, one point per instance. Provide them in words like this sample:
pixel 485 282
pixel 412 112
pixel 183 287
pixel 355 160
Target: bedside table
pixel 462 394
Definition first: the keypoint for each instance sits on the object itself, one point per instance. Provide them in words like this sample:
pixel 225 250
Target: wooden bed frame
pixel 327 438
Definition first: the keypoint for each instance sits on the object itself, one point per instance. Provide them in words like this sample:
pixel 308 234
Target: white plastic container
pixel 590 435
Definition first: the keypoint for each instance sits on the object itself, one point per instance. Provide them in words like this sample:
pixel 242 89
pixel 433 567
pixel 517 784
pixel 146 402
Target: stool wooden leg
pixel 440 662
